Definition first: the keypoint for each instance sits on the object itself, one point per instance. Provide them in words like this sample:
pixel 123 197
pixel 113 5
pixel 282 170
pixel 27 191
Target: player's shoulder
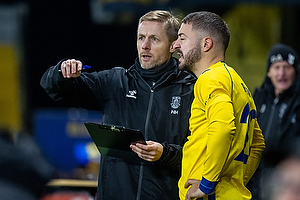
pixel 217 73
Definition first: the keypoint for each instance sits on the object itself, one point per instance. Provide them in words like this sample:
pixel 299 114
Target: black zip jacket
pixel 161 111
pixel 279 119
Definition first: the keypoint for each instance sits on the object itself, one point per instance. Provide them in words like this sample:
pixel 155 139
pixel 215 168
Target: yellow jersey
pixel 226 143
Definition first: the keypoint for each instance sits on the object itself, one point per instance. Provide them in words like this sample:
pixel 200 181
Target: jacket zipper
pixel 139 190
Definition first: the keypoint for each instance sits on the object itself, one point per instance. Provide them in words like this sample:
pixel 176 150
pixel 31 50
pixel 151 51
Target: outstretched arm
pixel 70 88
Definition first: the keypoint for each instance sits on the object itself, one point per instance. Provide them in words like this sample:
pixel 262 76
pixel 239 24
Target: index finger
pixel 64 68
pixel 141 146
pixel 187 184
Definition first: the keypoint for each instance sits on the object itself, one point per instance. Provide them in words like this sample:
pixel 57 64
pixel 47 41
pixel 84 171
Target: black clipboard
pixel 112 140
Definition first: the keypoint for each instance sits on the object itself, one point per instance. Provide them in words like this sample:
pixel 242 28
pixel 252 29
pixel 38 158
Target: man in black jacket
pixel 278 109
pixel 153 95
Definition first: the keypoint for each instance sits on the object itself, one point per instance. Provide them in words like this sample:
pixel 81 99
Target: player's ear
pixel 207 43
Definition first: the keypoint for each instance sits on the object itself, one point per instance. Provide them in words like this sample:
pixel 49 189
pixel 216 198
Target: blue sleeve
pixel 207 186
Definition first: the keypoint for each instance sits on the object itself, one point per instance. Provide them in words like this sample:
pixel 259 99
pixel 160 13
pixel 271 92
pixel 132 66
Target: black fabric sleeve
pixel 171 157
pixel 68 91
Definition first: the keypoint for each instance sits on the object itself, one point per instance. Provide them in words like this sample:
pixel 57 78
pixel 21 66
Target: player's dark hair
pixel 209 23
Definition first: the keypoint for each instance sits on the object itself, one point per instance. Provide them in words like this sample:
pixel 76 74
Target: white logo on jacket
pixel 175 104
pixel 131 94
pixel 282 110
pixel 262 108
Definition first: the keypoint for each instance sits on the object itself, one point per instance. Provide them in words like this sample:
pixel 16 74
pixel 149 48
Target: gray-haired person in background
pixel 278 109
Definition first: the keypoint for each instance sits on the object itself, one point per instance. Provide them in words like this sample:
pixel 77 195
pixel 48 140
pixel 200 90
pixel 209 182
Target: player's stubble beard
pixel 190 58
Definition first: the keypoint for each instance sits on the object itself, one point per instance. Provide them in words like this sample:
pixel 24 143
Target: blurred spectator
pixel 24 172
pixel 284 182
pixel 278 108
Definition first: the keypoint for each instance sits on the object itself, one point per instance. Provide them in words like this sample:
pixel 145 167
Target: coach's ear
pixel 207 43
pixel 172 49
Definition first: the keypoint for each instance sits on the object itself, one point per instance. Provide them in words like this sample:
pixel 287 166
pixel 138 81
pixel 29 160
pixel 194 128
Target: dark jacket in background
pixel 23 170
pixel 157 103
pixel 279 119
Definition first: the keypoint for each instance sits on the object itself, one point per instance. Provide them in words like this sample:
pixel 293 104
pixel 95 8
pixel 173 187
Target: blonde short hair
pixel 172 24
